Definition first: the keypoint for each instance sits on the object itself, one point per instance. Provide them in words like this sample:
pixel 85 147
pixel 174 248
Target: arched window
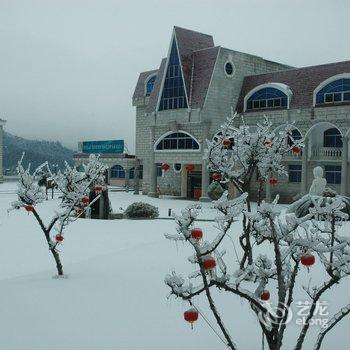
pixel 177 141
pixel 117 172
pixel 150 85
pixel 337 91
pixel 268 97
pixel 132 173
pixel 295 134
pixel 332 138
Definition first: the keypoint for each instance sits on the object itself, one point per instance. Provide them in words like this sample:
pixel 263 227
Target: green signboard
pixel 96 147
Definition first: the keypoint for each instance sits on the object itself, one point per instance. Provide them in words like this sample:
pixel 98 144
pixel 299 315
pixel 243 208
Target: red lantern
pixel 308 260
pixel 265 295
pixel 165 167
pixel 191 316
pixel 296 150
pixel 59 238
pixel 190 167
pixel 29 208
pixel 227 143
pixel 216 177
pixel 273 181
pixel 85 200
pixel 209 263
pixel 98 189
pixel 197 233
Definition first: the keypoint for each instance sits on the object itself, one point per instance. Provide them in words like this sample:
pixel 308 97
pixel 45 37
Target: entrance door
pixel 194 184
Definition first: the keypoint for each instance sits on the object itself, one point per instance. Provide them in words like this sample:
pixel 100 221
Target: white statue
pixel 319 184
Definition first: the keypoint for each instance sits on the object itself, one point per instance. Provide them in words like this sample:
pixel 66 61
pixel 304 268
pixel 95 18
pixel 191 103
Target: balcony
pixel 317 154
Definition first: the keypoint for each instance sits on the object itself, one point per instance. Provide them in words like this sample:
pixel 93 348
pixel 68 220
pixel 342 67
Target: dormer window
pixel 267 98
pixel 150 84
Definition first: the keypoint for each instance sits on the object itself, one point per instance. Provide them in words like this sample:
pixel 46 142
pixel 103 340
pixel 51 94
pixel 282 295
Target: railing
pixel 326 152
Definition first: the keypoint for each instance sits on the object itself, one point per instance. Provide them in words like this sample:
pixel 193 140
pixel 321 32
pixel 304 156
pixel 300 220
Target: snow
pixel 115 296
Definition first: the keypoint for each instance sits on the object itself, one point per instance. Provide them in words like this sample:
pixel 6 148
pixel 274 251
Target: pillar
pixel 184 182
pixel 137 176
pixel 303 185
pixel 344 166
pixel 205 170
pixel 127 179
pixel 2 123
pixel 153 167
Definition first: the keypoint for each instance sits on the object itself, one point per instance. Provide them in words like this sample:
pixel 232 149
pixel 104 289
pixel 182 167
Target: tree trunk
pixel 59 266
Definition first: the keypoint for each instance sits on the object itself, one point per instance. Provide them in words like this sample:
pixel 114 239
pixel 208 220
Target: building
pixel 184 101
pixel 2 123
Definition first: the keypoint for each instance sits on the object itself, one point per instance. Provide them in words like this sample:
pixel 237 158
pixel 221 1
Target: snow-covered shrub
pixel 291 243
pixel 141 210
pixel 74 187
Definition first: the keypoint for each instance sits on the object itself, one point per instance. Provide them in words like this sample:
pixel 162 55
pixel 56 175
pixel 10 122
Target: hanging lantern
pixel 265 295
pixel 29 208
pixel 216 177
pixel 191 316
pixel 85 200
pixel 165 167
pixel 59 238
pixel 227 143
pixel 308 260
pixel 190 167
pixel 98 189
pixel 296 150
pixel 209 263
pixel 273 181
pixel 197 233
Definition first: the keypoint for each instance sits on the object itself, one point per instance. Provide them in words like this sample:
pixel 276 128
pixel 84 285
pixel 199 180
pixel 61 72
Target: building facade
pixel 2 123
pixel 184 102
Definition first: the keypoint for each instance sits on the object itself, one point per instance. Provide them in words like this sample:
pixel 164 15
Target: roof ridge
pixel 193 31
pixel 208 48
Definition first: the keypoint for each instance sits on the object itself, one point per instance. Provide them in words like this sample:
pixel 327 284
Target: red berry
pixel 197 233
pixel 59 238
pixel 265 295
pixel 308 259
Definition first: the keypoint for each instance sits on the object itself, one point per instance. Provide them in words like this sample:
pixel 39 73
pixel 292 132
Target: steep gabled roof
pixel 189 41
pixel 203 67
pixel 140 85
pixel 301 81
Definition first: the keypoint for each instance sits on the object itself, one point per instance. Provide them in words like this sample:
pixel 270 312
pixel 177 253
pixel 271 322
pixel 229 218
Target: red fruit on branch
pixel 265 295
pixel 308 260
pixel 59 238
pixel 197 233
pixel 209 263
pixel 216 177
pixel 165 166
pixel 296 150
pixel 273 181
pixel 227 143
pixel 85 200
pixel 98 189
pixel 29 208
pixel 191 316
pixel 190 167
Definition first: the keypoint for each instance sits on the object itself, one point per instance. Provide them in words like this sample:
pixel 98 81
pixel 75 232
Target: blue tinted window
pixel 294 172
pixel 117 172
pixel 173 95
pixel 295 134
pixel 332 138
pixel 333 174
pixel 267 98
pixel 335 92
pixel 177 140
pixel 159 169
pixel 150 85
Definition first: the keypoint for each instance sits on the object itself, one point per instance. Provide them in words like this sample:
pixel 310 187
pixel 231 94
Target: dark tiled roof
pixel 302 82
pixel 140 86
pixel 153 99
pixel 204 62
pixel 187 42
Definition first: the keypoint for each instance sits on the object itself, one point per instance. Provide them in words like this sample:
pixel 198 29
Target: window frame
pixel 119 170
pixel 333 176
pixel 297 173
pixel 164 136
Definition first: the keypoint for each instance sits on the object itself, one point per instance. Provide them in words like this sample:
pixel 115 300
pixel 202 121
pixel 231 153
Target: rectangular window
pixel 328 98
pixel 346 96
pixel 159 169
pixel 333 174
pixel 294 172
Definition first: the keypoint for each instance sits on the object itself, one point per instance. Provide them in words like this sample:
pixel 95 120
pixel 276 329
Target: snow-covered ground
pixel 115 297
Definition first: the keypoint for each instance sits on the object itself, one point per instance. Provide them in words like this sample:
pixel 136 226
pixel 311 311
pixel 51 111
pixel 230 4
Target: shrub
pixel 141 210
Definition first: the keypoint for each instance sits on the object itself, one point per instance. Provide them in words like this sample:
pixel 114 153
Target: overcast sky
pixel 68 68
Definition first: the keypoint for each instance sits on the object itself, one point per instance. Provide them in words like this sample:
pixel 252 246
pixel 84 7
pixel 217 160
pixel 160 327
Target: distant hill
pixel 36 153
